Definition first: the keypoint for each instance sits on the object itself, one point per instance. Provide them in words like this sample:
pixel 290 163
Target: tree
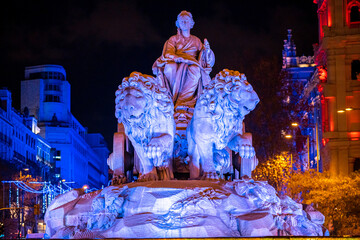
pixel 276 171
pixel 338 198
pixel 269 118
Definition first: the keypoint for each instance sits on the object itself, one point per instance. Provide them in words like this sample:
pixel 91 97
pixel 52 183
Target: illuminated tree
pixel 276 171
pixel 338 198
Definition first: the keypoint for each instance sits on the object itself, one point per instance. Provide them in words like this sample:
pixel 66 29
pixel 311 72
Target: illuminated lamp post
pixel 290 136
pixel 85 187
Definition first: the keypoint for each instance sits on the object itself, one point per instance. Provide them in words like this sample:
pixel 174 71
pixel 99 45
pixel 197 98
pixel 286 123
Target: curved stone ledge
pixel 181 209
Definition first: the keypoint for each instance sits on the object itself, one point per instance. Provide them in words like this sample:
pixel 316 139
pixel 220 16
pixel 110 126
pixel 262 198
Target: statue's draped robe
pixel 184 80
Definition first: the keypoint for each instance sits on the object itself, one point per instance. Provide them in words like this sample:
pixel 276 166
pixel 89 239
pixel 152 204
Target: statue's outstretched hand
pixel 206 44
pixel 208 70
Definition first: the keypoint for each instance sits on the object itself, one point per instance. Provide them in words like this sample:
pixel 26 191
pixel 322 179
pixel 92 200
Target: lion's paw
pixel 165 173
pixel 153 151
pixel 246 151
pixel 151 176
pixel 210 176
pixel 118 179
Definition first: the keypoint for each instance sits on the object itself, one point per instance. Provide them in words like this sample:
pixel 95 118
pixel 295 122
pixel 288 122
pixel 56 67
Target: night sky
pixel 100 42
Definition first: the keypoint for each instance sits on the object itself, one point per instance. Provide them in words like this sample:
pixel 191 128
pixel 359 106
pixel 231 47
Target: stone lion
pixel 146 111
pixel 217 123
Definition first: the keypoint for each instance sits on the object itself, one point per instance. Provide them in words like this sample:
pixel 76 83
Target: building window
pixel 357 164
pixel 57 155
pixel 52 98
pixel 354 14
pixel 355 70
pixel 52 87
pixel 47 75
pixel 3 104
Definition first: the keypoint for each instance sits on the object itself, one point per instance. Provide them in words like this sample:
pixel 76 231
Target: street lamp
pixel 294 124
pixel 348 109
pixel 288 136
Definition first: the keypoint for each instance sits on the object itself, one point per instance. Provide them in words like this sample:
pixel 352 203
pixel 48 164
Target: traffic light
pixel 36 209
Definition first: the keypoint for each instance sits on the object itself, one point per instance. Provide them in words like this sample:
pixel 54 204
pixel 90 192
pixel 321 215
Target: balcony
pixel 19 158
pixel 5 140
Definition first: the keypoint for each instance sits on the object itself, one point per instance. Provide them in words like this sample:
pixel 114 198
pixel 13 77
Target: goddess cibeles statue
pixel 185 63
pixel 183 68
pixel 171 141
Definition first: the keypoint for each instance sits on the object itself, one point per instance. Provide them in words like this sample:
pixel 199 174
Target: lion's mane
pixel 218 103
pixel 158 102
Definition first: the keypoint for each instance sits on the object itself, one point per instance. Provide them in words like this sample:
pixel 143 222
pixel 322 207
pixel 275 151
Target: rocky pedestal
pixel 173 209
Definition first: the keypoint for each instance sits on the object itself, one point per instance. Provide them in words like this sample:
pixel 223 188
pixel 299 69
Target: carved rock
pixel 181 209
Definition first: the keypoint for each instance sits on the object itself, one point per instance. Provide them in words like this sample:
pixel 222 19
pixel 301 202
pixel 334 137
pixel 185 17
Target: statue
pixel 185 63
pixel 146 111
pixel 218 123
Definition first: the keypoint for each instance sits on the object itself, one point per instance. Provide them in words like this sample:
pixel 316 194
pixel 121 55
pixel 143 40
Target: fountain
pixel 181 120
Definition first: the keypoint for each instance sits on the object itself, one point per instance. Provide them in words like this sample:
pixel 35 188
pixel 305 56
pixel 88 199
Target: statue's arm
pixel 207 56
pixel 169 51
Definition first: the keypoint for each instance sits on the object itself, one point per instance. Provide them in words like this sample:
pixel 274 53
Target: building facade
pixel 20 144
pixel 338 61
pixel 80 156
pixel 301 79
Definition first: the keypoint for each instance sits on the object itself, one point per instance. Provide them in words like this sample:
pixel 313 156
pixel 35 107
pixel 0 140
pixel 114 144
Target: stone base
pixel 180 209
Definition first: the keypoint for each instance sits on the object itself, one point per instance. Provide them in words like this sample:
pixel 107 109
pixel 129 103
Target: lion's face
pixel 245 97
pixel 133 105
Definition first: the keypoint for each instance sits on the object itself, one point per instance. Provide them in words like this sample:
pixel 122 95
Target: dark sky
pixel 101 42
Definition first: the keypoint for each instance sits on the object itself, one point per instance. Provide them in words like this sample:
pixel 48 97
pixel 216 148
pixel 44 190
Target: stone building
pixel 338 62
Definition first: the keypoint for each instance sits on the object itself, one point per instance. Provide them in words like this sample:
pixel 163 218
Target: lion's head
pixel 228 98
pixel 138 102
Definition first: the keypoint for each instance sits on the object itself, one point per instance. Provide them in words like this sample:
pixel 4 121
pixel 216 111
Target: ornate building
pixel 338 62
pixel 300 78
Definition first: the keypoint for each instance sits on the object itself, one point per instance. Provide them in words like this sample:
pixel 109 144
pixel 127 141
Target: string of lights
pixel 48 190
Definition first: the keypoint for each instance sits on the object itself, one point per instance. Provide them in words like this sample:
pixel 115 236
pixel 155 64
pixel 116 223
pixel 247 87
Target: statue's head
pixel 184 14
